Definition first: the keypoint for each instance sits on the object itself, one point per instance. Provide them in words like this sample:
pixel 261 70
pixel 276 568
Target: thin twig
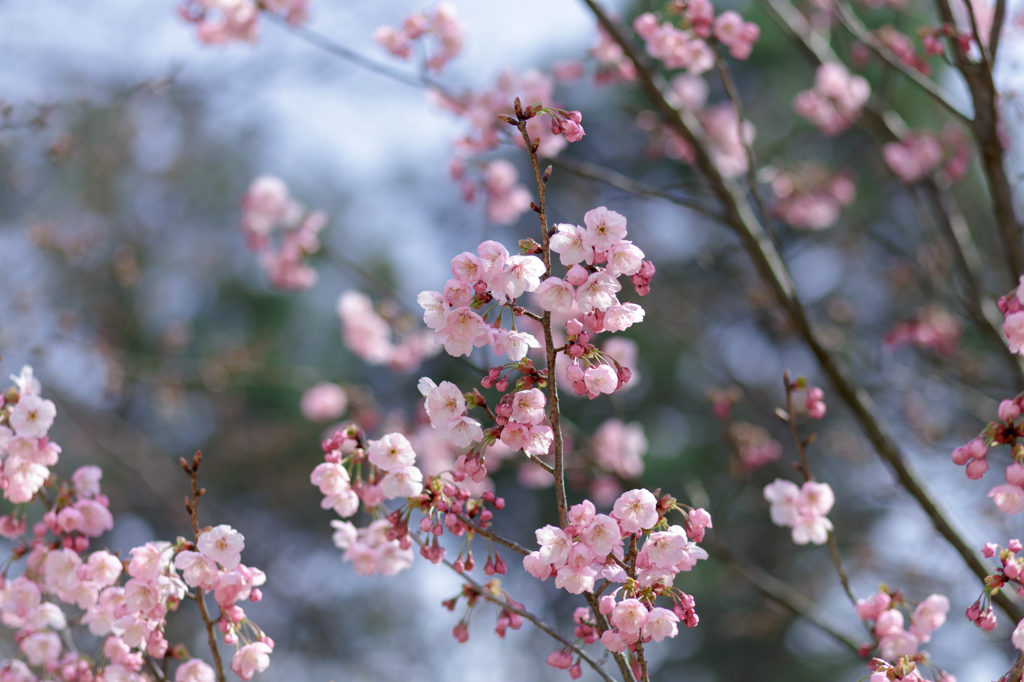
pixel 537 622
pixel 192 506
pixel 801 446
pixel 328 45
pixel 593 171
pixel 782 594
pixel 737 106
pixel 492 536
pixel 549 344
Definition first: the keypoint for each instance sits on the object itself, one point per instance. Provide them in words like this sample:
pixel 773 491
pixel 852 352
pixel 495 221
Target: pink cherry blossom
pixel 324 402
pixel 32 417
pixel 223 544
pixel 528 406
pixel 554 545
pixel 1008 498
pixel 251 659
pixel 393 451
pixel 636 510
pixel 555 295
pixel 601 379
pixel 602 535
pixel 572 244
pixel 605 228
pixel 629 616
pixel 620 447
pixel 661 623
pixel 194 670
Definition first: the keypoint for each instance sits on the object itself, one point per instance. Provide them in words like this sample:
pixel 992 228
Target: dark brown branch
pixel 549 343
pixel 985 127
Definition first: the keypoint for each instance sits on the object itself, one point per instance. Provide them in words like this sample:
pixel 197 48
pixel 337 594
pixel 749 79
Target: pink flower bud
pixel 560 659
pixel 577 275
pixel 1014 545
pixel 573 327
pixel 1009 410
pixel 976 469
pixel 606 604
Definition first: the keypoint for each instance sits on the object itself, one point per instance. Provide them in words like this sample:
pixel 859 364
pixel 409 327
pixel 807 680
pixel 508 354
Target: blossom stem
pixel 192 506
pixel 801 446
pixel 549 345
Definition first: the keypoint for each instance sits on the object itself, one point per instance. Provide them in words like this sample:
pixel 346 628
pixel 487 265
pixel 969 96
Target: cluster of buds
pixel 687 47
pixel 903 47
pixel 811 198
pixel 508 614
pixel 1007 430
pixel 932 328
pixel 1012 307
pixel 442 24
pixel 931 39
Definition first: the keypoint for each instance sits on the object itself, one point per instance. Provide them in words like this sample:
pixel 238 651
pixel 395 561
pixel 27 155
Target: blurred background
pixel 125 282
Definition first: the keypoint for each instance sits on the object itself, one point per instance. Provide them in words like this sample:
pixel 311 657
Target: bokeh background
pixel 125 282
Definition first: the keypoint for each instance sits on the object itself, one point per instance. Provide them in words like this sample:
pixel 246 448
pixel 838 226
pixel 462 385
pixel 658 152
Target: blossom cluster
pixel 933 328
pixel 804 509
pixel 369 472
pixel 687 48
pixel 492 276
pixel 25 445
pixel 371 337
pixel 895 641
pixel 219 22
pixel 442 25
pixel 282 232
pixel 482 110
pixel 324 402
pixel 127 603
pixel 724 136
pixel 836 100
pixel 605 546
pixel 1010 572
pixel 505 197
pixel 810 198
